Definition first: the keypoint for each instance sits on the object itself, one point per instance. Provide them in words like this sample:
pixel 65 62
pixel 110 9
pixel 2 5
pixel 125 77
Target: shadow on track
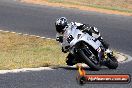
pixel 75 68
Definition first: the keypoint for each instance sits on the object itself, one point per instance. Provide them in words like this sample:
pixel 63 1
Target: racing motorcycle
pixel 87 49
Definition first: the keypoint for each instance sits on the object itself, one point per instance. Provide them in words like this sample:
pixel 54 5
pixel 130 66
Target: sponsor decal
pixel 83 78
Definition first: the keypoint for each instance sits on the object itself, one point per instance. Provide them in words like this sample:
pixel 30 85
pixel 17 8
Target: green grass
pixel 18 51
pixel 118 5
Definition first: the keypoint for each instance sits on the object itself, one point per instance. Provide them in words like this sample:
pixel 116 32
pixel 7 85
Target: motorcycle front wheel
pixel 91 62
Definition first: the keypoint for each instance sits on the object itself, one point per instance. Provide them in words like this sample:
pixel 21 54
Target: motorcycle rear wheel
pixel 112 63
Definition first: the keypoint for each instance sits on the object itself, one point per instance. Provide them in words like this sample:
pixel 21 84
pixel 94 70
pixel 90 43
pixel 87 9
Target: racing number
pixel 70 38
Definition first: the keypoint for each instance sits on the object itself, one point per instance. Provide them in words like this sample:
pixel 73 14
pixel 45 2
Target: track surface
pixel 39 20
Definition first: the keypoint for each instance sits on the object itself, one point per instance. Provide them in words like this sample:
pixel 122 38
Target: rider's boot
pixel 70 60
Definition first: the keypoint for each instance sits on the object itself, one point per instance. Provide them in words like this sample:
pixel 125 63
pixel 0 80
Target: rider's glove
pixel 60 39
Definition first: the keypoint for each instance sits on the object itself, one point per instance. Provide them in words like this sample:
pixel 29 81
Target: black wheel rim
pixel 92 58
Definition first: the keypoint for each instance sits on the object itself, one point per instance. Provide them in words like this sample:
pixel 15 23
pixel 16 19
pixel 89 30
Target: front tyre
pixel 88 61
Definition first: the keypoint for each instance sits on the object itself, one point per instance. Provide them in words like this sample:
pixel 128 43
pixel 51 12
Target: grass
pixel 119 5
pixel 19 51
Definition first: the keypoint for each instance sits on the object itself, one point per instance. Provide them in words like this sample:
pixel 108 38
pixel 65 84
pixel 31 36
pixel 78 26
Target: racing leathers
pixel 93 31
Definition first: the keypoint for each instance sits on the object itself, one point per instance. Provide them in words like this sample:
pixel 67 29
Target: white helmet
pixel 60 24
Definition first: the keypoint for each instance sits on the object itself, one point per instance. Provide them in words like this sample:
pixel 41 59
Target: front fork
pixel 103 57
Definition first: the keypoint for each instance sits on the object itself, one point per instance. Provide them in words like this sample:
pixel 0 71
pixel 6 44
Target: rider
pixel 61 25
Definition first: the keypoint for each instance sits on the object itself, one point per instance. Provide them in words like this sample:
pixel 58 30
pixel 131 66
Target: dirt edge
pixel 85 8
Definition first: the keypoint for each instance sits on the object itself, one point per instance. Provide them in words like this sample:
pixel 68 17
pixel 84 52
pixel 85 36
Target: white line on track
pixel 25 70
pixel 129 58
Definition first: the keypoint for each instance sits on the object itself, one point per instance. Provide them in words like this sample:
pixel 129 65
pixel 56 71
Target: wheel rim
pixel 92 57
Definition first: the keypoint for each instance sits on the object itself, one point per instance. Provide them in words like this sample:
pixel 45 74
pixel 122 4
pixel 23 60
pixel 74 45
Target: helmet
pixel 60 24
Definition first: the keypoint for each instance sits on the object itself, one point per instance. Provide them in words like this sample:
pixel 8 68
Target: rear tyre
pixel 112 63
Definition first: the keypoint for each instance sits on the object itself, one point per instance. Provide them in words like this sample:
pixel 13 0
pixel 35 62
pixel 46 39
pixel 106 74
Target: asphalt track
pixel 39 20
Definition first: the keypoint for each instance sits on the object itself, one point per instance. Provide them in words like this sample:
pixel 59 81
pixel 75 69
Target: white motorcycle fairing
pixel 72 36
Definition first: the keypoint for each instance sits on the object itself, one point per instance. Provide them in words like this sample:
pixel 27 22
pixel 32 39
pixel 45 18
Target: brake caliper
pixel 105 55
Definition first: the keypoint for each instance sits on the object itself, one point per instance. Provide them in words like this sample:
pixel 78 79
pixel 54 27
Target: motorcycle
pixel 87 49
